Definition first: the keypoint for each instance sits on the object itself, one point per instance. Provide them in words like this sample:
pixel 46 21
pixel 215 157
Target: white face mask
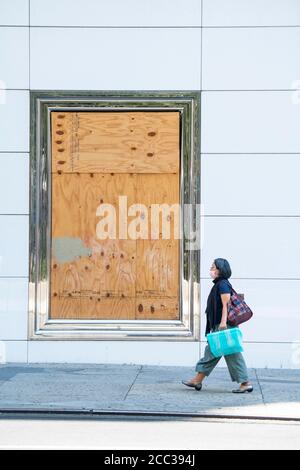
pixel 213 273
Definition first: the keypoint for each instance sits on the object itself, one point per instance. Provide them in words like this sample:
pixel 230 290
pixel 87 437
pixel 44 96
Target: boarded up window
pixel 98 158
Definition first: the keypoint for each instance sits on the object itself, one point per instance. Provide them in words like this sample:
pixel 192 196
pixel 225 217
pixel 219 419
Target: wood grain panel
pixel 158 259
pixel 96 158
pixel 93 267
pixel 160 308
pixel 121 142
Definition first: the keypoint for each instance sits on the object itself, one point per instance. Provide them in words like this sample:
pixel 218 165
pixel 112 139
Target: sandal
pixel 197 386
pixel 243 389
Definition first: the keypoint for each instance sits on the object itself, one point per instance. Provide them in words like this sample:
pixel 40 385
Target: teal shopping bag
pixel 225 342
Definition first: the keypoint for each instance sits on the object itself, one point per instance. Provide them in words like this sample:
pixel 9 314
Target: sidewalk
pixel 148 389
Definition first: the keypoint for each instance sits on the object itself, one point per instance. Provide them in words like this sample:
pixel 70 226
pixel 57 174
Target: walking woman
pixel 216 317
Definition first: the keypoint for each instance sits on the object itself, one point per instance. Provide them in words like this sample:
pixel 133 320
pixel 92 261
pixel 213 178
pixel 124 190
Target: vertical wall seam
pixel 200 159
pixel 29 31
pixel 201 49
pixel 29 85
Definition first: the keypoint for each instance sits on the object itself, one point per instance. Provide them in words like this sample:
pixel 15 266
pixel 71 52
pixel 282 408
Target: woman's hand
pixel 223 326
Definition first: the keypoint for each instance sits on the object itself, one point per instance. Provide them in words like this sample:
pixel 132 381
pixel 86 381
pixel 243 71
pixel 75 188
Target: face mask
pixel 212 273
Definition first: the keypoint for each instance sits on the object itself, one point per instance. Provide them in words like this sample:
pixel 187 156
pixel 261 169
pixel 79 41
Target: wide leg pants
pixel 235 363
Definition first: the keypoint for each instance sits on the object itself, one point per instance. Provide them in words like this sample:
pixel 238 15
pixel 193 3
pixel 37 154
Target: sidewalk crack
pixel 129 390
pixel 260 387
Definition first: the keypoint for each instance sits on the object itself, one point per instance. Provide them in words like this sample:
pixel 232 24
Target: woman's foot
pixel 197 386
pixel 244 387
pixel 195 382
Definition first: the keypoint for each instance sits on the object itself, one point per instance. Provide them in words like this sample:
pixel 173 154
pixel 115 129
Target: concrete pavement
pixel 146 389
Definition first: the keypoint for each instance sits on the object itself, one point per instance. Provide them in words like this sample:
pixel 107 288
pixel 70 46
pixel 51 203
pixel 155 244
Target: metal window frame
pixel 41 327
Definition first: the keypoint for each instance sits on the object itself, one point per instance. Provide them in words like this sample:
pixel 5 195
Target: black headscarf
pixel 212 311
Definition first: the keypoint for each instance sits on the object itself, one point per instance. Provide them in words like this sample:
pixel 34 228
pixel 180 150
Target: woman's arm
pixel 225 300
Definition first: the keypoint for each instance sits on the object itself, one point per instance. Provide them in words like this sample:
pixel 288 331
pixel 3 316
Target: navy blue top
pixel 214 303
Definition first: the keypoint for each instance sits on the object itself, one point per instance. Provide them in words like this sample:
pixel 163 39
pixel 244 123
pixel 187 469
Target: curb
pixel 95 412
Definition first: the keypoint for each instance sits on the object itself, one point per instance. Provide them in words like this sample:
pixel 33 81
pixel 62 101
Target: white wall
pixel 243 56
pixel 250 165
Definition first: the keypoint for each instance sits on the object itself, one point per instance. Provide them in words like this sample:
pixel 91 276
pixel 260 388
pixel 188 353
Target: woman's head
pixel 220 268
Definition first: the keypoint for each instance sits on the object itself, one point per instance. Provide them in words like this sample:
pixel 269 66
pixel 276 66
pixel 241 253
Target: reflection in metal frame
pixel 41 327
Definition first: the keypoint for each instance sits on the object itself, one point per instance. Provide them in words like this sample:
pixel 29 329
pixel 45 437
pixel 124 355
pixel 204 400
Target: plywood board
pixel 121 142
pixel 118 277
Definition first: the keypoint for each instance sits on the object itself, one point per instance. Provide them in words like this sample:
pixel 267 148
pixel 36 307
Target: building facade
pixel 190 103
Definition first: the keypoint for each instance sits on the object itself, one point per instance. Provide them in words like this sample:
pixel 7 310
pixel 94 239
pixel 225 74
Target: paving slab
pixel 146 389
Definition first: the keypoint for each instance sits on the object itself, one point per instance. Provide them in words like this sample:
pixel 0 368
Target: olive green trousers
pixel 235 363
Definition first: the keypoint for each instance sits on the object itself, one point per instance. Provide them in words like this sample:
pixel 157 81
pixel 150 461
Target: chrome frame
pixel 41 327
